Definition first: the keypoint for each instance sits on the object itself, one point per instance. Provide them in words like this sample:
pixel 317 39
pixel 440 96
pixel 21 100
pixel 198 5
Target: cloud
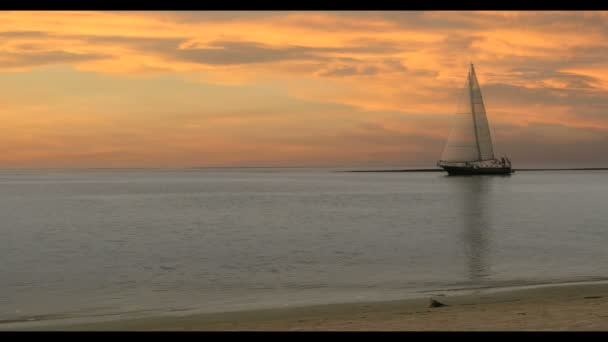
pixel 202 17
pixel 19 60
pixel 23 34
pixel 306 86
pixel 136 43
pixel 359 68
pixel 554 79
pixel 552 145
pixel 342 71
pixel 237 52
pixel 226 53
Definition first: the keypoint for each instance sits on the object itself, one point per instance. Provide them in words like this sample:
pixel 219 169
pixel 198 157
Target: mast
pixel 471 75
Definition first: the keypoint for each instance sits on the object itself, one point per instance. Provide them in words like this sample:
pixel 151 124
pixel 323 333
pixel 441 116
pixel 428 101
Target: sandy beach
pixel 579 306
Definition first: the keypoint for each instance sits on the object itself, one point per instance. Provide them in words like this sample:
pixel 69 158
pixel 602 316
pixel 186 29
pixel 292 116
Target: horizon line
pixel 350 168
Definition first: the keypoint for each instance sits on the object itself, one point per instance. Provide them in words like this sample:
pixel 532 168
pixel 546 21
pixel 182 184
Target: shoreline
pixel 557 306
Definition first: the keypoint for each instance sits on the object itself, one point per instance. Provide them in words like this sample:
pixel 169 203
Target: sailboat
pixel 469 149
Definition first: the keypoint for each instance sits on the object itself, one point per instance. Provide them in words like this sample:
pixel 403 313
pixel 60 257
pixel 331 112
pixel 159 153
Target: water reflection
pixel 476 226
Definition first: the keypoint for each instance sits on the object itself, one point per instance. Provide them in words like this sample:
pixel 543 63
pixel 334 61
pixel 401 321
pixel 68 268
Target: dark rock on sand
pixel 436 304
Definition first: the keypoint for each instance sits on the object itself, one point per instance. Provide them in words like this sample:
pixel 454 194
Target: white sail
pixel 470 138
pixel 484 138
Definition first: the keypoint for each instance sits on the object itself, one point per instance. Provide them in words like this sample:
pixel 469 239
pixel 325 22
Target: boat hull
pixel 469 170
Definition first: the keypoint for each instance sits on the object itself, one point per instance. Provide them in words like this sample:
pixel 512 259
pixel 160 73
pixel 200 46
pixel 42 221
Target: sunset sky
pixel 195 89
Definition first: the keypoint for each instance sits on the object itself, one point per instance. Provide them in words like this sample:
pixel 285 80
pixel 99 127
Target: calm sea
pixel 137 242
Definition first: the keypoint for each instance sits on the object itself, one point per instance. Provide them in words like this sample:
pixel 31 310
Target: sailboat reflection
pixel 476 226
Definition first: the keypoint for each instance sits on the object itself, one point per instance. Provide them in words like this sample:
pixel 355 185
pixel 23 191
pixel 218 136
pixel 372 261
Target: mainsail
pixel 470 138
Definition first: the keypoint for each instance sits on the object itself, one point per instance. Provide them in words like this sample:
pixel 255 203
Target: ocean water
pixel 136 242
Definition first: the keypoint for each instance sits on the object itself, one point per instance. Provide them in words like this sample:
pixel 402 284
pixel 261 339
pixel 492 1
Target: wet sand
pixel 557 307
